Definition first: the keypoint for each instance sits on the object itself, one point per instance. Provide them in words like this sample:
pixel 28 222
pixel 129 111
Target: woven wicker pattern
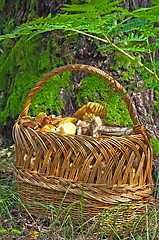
pixel 113 169
pixel 123 218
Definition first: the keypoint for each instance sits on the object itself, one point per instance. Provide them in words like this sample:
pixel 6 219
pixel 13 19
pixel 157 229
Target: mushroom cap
pixel 66 128
pixel 91 108
pixel 44 121
pixel 48 128
pixel 68 120
pixel 40 116
pixel 59 121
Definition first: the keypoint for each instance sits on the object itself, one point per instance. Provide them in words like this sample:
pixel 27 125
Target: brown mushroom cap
pixel 40 116
pixel 91 108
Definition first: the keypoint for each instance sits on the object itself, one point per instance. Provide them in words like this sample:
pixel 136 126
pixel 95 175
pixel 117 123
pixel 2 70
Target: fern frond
pixel 130 47
pixel 133 24
pixel 103 21
pixel 132 37
pixel 149 14
pixel 135 48
pixel 150 31
pixel 103 7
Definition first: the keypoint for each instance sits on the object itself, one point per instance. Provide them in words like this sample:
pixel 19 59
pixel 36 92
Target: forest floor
pixel 16 222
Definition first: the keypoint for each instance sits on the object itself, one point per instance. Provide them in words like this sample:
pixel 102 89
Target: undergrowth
pixel 18 223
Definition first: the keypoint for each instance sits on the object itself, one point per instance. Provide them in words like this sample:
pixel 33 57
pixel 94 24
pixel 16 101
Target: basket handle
pixel 86 68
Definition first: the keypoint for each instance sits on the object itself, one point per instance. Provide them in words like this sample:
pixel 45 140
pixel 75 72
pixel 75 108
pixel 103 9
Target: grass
pixel 17 222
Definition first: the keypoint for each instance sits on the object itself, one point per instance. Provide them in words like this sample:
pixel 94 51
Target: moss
pixel 155 146
pixel 17 4
pixel 76 1
pixel 94 88
pixel 126 64
pixel 148 120
pixel 2 4
pixel 22 67
pixel 23 63
pixel 156 103
pixel 33 8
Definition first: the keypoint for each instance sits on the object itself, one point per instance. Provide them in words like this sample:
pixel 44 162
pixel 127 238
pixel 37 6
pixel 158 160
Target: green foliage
pixel 76 1
pixel 156 102
pixel 2 4
pixel 9 231
pixel 123 62
pixel 21 68
pixel 33 7
pixel 114 27
pixel 96 89
pixel 155 146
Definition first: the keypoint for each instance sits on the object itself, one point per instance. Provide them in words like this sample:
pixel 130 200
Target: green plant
pixel 2 4
pixel 155 146
pixel 8 201
pixel 111 26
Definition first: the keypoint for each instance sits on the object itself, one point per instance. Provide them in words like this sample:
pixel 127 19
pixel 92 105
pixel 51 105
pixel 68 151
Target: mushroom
pixel 48 128
pixel 67 128
pixel 82 128
pixel 44 121
pixel 90 111
pixel 40 116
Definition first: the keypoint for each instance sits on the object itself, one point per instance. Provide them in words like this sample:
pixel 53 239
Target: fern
pixel 132 24
pixel 150 14
pixel 107 23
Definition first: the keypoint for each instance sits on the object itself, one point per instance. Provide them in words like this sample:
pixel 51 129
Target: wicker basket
pixel 107 170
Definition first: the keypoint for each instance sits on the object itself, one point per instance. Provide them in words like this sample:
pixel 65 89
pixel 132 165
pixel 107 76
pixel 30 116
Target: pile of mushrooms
pixel 84 122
